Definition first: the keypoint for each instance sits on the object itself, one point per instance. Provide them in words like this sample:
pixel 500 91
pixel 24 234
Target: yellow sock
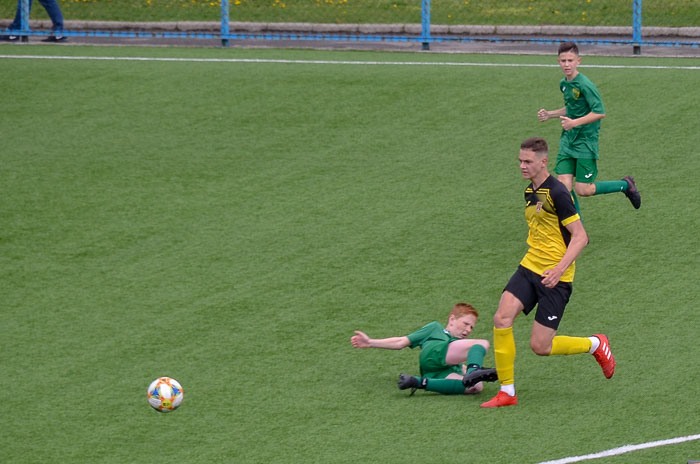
pixel 504 352
pixel 562 344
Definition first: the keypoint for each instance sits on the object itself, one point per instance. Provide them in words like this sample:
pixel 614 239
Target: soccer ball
pixel 165 394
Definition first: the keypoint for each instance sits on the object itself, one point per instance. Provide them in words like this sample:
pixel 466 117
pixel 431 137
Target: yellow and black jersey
pixel 548 210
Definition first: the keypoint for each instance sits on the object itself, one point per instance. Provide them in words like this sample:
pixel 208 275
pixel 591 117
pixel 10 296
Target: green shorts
pixel 584 170
pixel 432 362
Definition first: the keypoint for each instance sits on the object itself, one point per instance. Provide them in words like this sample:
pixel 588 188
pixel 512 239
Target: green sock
pixel 610 186
pixel 576 205
pixel 445 386
pixel 475 358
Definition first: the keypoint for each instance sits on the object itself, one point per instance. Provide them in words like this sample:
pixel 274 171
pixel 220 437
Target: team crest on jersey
pixel 575 92
pixel 539 206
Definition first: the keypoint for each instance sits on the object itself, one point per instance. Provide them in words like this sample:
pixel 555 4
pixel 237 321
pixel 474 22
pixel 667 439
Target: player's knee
pixel 501 322
pixel 584 190
pixel 485 344
pixel 540 348
pixel 567 180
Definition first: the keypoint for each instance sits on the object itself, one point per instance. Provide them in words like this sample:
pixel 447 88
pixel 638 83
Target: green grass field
pixel 230 224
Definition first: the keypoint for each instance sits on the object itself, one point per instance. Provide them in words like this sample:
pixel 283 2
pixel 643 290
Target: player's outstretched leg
pixel 632 193
pixel 604 356
pixel 481 374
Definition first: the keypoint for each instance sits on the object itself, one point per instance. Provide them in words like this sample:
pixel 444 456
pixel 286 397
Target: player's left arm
pixel 578 241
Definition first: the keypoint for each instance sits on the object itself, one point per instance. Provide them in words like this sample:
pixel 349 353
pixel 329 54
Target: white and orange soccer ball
pixel 165 394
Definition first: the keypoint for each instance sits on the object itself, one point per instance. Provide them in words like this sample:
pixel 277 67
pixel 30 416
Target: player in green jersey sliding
pixel 580 121
pixel 450 363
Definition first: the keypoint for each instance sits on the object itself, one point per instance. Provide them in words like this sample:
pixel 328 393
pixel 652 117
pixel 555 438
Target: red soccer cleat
pixel 502 399
pixel 604 356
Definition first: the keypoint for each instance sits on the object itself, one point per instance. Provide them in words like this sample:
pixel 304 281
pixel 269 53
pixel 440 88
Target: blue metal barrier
pixel 225 18
pixel 425 37
pixel 637 27
pixel 425 24
pixel 24 18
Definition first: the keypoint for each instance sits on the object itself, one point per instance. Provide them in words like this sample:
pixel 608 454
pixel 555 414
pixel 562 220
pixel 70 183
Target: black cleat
pixel 55 38
pixel 632 193
pixel 9 38
pixel 479 375
pixel 408 381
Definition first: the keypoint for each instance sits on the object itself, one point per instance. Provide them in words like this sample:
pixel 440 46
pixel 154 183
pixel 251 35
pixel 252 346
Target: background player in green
pixel 444 350
pixel 580 121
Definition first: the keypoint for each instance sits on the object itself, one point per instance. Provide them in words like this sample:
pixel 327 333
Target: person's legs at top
pixel 17 23
pixel 54 12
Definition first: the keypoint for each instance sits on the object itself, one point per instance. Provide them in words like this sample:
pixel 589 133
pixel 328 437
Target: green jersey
pixel 581 97
pixel 433 340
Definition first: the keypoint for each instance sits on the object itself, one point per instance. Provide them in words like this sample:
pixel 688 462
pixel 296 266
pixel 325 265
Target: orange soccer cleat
pixel 604 356
pixel 502 399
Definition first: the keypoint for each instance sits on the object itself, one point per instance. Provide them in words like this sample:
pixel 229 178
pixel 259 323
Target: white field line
pixel 626 449
pixel 331 62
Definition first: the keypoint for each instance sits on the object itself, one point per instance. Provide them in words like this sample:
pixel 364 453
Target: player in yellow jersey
pixel 544 277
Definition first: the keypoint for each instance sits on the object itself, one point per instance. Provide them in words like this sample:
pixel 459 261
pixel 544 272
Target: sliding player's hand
pixel 360 340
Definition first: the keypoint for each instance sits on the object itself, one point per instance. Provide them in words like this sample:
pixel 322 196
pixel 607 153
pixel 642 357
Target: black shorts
pixel 527 287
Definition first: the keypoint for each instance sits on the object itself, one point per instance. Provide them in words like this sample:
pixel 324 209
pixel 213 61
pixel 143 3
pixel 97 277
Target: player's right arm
pixel 362 340
pixel 543 114
pixel 568 123
pixel 578 241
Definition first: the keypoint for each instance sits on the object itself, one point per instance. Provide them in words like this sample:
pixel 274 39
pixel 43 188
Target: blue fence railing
pixel 424 33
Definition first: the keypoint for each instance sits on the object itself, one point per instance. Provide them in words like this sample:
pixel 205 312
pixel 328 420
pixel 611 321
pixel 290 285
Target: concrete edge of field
pixel 374 29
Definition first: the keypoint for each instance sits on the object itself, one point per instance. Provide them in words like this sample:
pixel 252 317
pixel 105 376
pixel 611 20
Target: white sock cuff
pixel 510 389
pixel 595 343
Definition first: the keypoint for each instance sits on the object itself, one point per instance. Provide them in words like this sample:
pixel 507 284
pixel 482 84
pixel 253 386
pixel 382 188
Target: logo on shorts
pixel 551 318
pixel 588 176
